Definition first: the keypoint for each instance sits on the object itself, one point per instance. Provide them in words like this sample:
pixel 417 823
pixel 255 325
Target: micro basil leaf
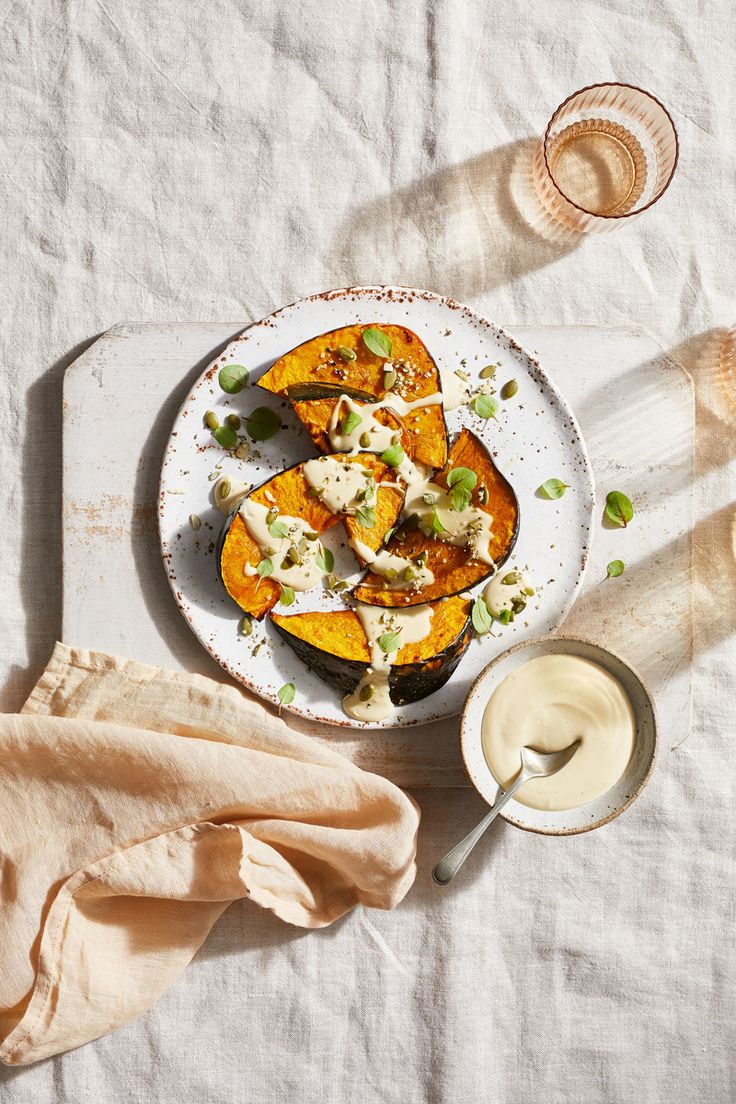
pixel 352 422
pixel 287 595
pixel 225 436
pixel 389 641
pixel 393 456
pixel 460 499
pixel 262 423
pixel 287 693
pixel 482 617
pixel 464 476
pixel 377 341
pixel 485 406
pixel 232 378
pixel 388 534
pixel 553 488
pixel 325 561
pixel 278 529
pixel 437 524
pixel 619 509
pixel 265 568
pixel 615 568
pixel 366 516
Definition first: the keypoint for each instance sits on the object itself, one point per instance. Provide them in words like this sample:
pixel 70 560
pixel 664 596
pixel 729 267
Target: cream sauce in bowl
pixel 548 703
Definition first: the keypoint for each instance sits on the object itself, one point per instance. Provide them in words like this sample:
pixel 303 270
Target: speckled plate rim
pixel 466 736
pixel 372 292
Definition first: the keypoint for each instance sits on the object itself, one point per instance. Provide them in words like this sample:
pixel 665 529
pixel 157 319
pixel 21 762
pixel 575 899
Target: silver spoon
pixel 534 764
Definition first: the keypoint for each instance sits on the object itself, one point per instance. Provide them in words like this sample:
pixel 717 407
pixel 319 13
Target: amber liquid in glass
pixel 598 165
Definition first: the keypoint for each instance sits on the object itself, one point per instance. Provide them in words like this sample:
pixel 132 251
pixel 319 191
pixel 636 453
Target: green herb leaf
pixel 225 436
pixel 460 499
pixel 393 456
pixel 485 406
pixel 232 378
pixel 615 568
pixel 619 509
pixel 553 488
pixel 465 476
pixel 377 341
pixel 366 516
pixel 389 641
pixel 388 534
pixel 287 693
pixel 437 524
pixel 482 617
pixel 262 423
pixel 287 595
pixel 278 529
pixel 352 421
pixel 345 354
pixel 325 561
pixel 265 568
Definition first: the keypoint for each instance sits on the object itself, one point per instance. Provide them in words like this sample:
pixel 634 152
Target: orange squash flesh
pixel 316 414
pixel 453 571
pixel 289 492
pixel 317 362
pixel 340 632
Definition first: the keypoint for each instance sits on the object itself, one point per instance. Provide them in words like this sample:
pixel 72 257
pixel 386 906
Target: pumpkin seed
pixel 389 379
pixel 314 492
pixel 518 604
pixel 311 536
pixel 345 353
pixel 225 488
pixel 233 421
pixel 243 450
pixel 246 626
pixel 422 558
pixel 366 692
pixel 211 420
pixel 412 522
pixel 294 555
pixel 195 521
pixel 364 440
pixel 488 372
pixel 509 389
pixel 408 574
pixel 272 514
pixel 429 499
pixel 482 495
pixel 529 591
pixel 340 584
pixel 390 573
pixel 505 617
pixel 511 578
pixel 396 439
pixel 286 564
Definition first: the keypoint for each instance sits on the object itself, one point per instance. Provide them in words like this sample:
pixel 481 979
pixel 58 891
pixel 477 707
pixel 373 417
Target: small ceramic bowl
pixel 594 813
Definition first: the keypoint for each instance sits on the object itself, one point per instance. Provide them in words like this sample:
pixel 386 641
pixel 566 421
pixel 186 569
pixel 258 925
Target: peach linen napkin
pixel 135 805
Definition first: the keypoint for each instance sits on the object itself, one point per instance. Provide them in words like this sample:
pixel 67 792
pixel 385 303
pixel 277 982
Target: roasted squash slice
pixel 317 363
pixel 316 415
pixel 453 570
pixel 333 645
pixel 289 492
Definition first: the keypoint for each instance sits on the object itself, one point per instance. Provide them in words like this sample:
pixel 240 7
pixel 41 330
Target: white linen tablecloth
pixel 172 160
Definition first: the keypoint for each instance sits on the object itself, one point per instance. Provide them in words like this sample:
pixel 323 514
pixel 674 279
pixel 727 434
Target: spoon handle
pixel 446 869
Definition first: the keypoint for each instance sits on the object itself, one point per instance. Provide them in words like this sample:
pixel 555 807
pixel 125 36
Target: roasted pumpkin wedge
pixel 342 359
pixel 334 646
pixel 290 493
pixel 453 567
pixel 316 415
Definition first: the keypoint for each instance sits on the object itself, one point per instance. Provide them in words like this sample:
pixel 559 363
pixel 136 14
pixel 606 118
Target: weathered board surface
pixel 636 410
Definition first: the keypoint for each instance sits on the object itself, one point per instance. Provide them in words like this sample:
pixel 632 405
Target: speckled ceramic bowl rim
pixel 588 644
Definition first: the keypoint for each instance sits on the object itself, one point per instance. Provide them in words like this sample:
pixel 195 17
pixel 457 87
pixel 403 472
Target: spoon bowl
pixel 540 764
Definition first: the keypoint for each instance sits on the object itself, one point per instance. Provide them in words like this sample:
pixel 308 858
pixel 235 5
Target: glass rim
pixel 589 88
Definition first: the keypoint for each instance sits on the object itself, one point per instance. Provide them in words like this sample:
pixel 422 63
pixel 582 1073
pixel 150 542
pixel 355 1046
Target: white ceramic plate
pixel 594 813
pixel 534 438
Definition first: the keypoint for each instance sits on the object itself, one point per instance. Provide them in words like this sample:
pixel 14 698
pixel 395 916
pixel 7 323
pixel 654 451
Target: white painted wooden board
pixel 636 411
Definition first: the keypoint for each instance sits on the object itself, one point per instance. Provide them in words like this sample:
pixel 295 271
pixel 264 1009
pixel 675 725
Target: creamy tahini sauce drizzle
pixel 383 562
pixel 469 528
pixel 238 490
pixel 547 704
pixel 298 576
pixel 413 625
pixel 500 595
pixel 340 484
pixel 455 390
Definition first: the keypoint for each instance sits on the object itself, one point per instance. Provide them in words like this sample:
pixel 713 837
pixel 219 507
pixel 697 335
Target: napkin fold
pixel 135 805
